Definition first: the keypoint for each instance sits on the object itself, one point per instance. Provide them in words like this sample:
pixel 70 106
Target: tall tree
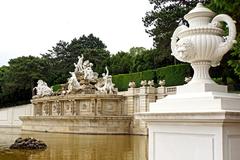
pixel 3 73
pixel 120 63
pixel 62 57
pixel 163 20
pixel 18 79
pixel 231 8
pixel 23 72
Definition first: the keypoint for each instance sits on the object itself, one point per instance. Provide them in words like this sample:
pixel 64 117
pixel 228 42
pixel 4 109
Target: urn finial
pixel 199 15
pixel 203 44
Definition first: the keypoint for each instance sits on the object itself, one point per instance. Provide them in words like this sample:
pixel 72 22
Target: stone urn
pixel 151 83
pixel 203 43
pixel 162 83
pixel 132 84
pixel 144 83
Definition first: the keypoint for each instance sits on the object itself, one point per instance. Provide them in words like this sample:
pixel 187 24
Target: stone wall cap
pixel 214 116
pixel 75 117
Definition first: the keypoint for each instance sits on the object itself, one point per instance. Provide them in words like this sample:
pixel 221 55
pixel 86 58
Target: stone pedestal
pixel 193 136
pixel 200 122
pixel 194 124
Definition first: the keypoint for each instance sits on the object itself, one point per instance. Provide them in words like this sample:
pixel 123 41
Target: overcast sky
pixel 31 27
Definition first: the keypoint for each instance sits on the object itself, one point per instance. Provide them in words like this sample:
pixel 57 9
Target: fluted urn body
pixel 203 42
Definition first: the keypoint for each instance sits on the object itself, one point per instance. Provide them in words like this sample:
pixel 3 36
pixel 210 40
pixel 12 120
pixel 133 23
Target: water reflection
pixel 76 147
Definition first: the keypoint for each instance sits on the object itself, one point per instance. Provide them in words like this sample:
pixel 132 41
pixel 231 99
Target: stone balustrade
pixel 138 100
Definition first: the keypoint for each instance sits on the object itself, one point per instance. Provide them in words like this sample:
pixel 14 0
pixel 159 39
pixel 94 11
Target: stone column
pixel 143 99
pixel 93 106
pixel 161 92
pixel 130 100
pixel 98 107
pixel 146 96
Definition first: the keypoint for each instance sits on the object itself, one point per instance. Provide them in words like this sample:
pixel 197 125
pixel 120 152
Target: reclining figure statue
pixel 42 89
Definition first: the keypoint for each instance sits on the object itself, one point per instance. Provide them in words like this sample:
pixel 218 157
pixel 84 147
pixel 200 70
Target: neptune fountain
pixel 85 104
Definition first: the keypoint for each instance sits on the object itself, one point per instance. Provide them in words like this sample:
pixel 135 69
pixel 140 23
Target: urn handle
pixel 175 38
pixel 230 39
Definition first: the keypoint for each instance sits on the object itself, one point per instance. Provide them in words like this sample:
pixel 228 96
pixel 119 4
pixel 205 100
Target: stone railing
pixel 138 100
pixel 171 90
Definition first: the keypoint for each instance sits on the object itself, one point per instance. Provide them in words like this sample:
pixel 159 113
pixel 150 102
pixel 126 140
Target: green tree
pixel 3 72
pixel 162 21
pixel 61 58
pixel 92 49
pixel 18 79
pixel 231 8
pixel 24 72
pixel 120 63
pixel 58 61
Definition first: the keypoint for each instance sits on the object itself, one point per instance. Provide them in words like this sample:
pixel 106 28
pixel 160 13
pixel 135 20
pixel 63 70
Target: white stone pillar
pixel 161 92
pixel 130 100
pixel 143 99
pixel 147 95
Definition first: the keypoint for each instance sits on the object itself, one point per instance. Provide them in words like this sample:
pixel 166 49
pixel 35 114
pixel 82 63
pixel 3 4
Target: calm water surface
pixel 75 146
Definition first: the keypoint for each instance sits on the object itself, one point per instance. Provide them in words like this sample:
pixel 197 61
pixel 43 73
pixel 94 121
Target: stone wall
pixel 9 117
pixel 78 124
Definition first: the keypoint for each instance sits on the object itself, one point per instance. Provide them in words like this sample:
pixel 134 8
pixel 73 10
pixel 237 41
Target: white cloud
pixel 34 26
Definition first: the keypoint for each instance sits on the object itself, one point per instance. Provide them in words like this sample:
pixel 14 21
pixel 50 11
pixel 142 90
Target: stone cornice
pixel 214 116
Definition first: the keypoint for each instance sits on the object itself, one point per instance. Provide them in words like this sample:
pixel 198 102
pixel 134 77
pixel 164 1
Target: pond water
pixel 75 146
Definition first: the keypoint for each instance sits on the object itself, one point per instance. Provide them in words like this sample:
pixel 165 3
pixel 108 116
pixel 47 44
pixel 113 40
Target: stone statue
pixel 79 65
pixel 88 72
pixel 73 84
pixel 42 89
pixel 106 86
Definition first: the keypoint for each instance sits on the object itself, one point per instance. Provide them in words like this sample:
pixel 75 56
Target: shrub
pixel 122 80
pixel 56 87
pixel 174 75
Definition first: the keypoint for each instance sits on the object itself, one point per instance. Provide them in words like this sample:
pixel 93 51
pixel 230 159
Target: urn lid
pixel 199 11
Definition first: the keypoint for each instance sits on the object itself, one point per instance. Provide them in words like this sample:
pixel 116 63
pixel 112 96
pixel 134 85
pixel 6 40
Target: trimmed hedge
pixel 121 80
pixel 173 75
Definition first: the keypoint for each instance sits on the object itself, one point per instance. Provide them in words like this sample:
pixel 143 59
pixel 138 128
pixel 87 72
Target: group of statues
pixel 88 78
pixel 85 68
pixel 82 79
